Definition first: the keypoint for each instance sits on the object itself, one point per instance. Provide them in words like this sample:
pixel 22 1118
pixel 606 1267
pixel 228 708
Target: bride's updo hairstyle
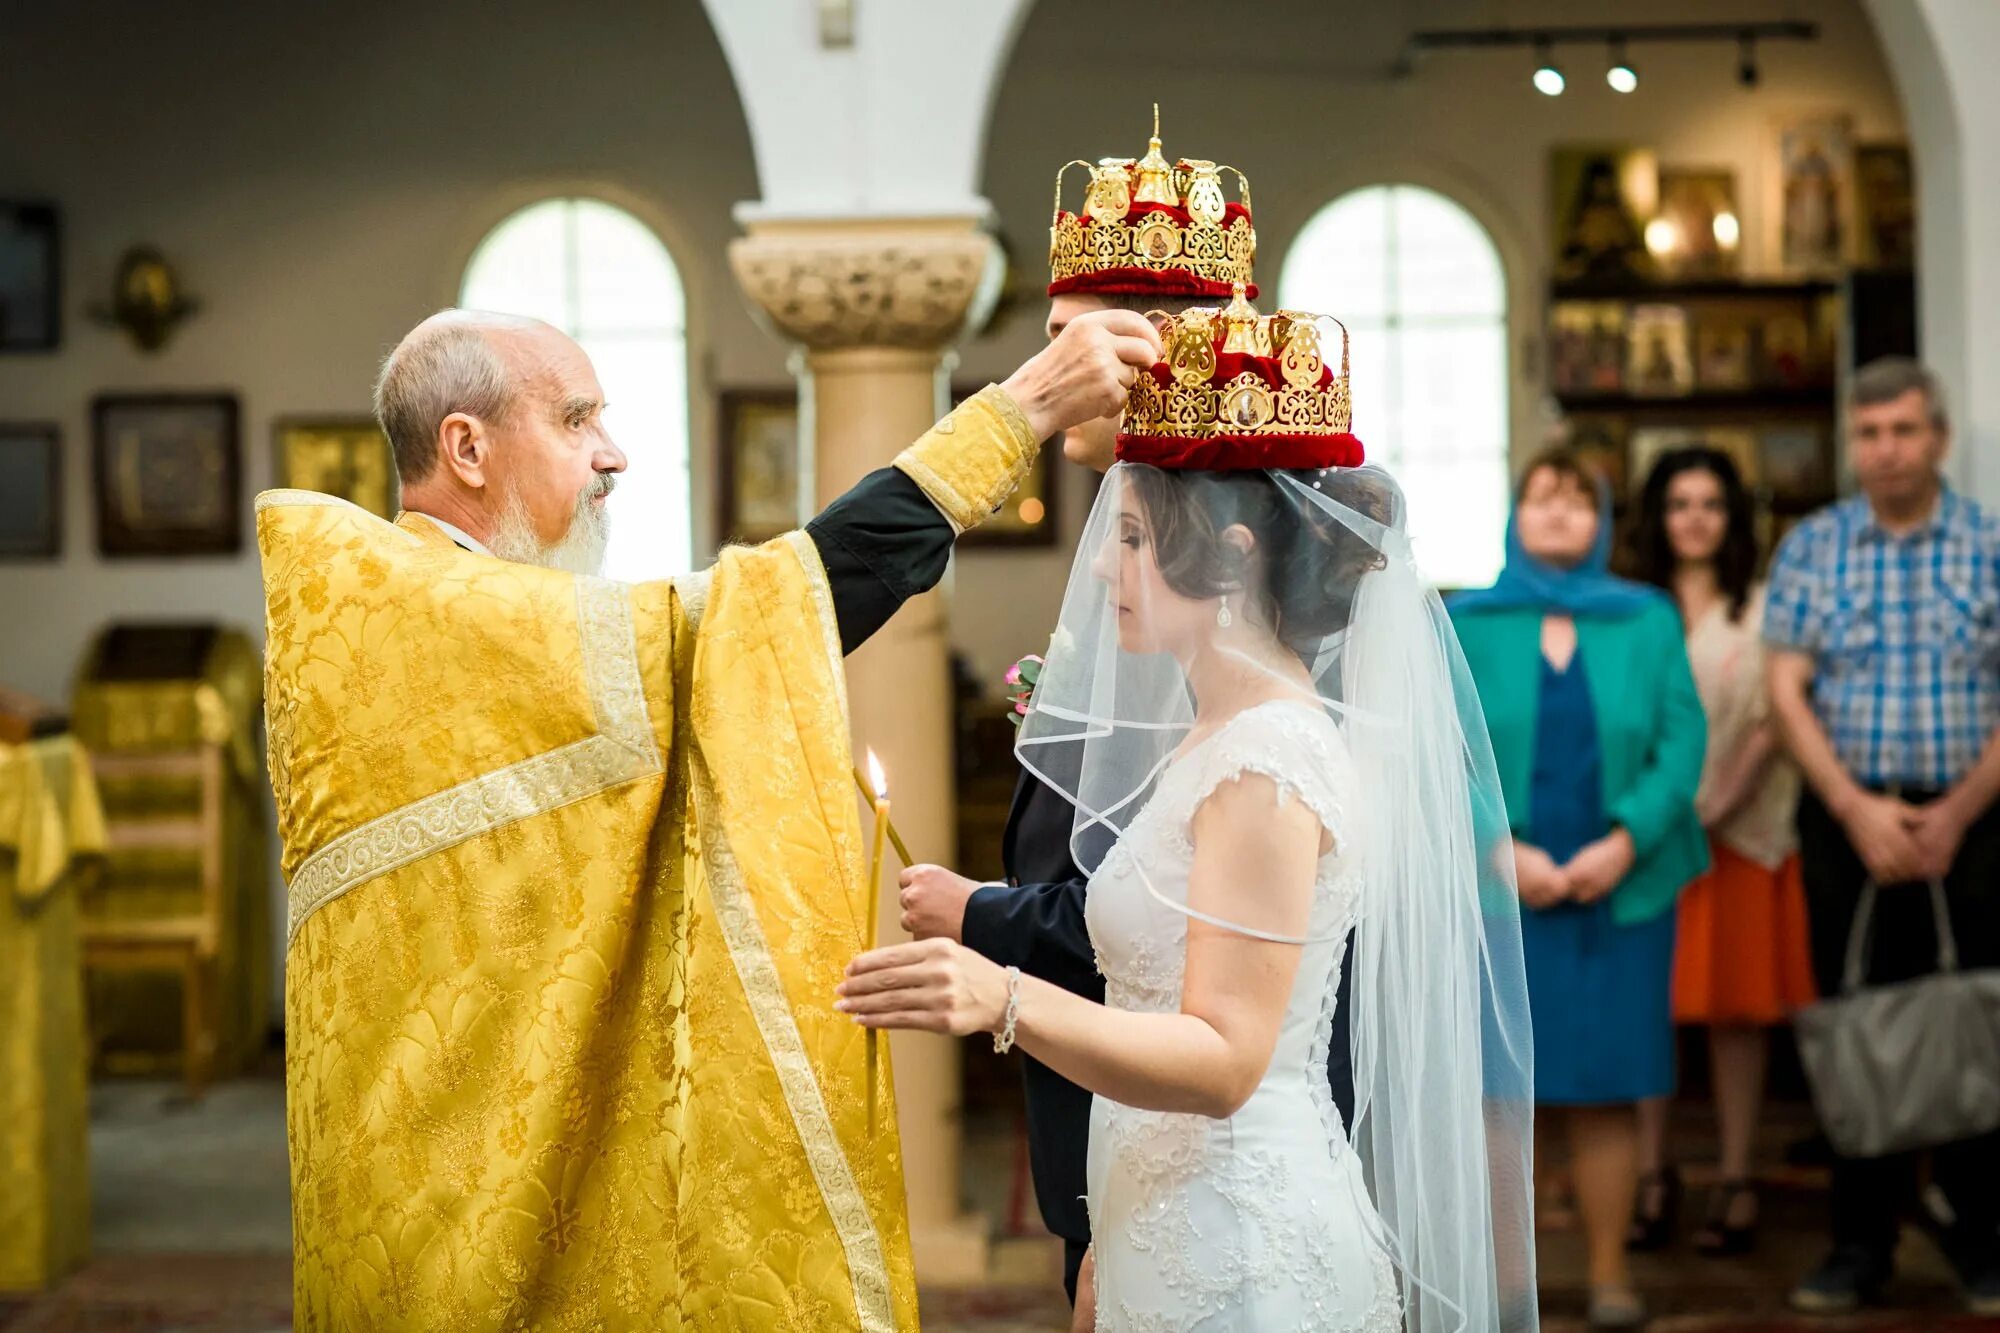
pixel 1300 576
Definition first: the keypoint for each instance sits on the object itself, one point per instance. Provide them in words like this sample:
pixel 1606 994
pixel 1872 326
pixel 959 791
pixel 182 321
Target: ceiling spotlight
pixel 1622 77
pixel 1548 78
pixel 1747 73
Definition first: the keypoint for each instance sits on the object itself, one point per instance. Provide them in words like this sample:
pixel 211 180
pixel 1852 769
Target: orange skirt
pixel 1742 955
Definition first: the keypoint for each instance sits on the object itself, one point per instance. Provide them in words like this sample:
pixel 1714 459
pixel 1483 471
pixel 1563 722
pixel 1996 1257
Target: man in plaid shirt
pixel 1883 618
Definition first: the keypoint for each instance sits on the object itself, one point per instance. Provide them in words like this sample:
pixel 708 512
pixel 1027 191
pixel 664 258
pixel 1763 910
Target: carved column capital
pixel 836 284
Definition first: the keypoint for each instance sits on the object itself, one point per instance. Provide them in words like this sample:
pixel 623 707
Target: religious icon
pixel 759 468
pixel 347 458
pixel 1598 196
pixel 1815 195
pixel 1587 347
pixel 30 490
pixel 1785 351
pixel 30 278
pixel 169 474
pixel 1721 352
pixel 1698 228
pixel 1887 194
pixel 1658 361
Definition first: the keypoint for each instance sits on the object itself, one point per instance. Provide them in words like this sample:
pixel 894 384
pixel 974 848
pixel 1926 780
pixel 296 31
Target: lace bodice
pixel 1261 1220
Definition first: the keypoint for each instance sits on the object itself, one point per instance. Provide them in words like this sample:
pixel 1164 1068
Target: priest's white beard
pixel 579 551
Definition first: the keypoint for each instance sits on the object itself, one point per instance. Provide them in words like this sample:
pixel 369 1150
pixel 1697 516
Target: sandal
pixel 1654 1229
pixel 1718 1238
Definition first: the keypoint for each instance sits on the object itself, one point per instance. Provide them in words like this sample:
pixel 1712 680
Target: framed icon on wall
pixel 169 474
pixel 344 456
pixel 30 490
pixel 30 277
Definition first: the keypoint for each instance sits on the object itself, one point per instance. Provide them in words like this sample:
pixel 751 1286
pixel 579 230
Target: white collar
pixel 456 533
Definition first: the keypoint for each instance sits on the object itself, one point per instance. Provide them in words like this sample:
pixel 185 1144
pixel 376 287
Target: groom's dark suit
pixel 1035 922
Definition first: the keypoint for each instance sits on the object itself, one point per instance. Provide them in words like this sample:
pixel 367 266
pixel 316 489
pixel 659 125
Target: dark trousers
pixel 1870 1194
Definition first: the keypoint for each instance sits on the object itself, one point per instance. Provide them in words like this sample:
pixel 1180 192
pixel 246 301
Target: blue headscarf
pixel 1588 589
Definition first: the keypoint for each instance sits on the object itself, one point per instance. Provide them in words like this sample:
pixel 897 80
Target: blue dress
pixel 1598 992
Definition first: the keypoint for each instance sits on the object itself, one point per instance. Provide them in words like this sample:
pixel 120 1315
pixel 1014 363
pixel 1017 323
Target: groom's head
pixel 1094 444
pixel 497 423
pixel 1151 234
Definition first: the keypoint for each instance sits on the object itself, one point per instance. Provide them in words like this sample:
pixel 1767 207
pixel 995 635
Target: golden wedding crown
pixel 1153 227
pixel 1236 389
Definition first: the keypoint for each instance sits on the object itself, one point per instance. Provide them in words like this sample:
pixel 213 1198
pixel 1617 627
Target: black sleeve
pixel 1038 928
pixel 882 543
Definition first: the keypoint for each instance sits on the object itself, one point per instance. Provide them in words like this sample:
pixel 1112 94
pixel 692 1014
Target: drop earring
pixel 1223 619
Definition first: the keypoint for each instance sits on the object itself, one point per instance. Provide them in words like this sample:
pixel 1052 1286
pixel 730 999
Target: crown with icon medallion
pixel 1236 389
pixel 1153 227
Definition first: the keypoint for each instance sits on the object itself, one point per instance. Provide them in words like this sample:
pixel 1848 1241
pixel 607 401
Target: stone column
pixel 875 303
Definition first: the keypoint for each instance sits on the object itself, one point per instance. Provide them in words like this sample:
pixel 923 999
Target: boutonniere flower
pixel 1021 678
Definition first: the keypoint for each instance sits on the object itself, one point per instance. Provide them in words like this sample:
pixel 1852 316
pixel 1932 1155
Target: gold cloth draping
pixel 137 1014
pixel 574 867
pixel 51 843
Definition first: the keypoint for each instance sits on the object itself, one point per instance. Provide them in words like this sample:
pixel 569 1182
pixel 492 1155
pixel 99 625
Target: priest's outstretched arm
pixel 887 540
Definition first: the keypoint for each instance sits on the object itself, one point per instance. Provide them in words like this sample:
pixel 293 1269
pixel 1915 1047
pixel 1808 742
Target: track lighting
pixel 1548 77
pixel 1621 74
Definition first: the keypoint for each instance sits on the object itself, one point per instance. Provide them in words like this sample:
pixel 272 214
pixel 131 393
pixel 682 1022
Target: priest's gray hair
pixel 447 364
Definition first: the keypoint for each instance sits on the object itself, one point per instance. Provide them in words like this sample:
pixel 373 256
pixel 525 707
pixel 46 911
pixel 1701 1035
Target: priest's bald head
pixel 497 423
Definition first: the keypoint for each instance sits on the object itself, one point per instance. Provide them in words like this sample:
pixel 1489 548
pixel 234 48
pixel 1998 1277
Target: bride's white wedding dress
pixel 1260 1221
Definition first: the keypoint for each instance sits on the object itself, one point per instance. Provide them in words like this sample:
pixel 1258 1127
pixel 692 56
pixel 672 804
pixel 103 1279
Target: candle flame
pixel 876 777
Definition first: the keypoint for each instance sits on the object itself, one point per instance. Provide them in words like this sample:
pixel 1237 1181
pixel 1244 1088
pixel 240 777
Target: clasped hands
pixel 1901 843
pixel 1586 877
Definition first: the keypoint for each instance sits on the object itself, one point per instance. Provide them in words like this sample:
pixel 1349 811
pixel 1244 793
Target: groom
pixel 1177 246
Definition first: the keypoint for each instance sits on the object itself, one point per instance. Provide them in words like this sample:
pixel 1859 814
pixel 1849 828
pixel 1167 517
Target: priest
pixel 574 866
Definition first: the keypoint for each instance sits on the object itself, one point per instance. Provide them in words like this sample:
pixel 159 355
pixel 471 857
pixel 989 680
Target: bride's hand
pixel 930 985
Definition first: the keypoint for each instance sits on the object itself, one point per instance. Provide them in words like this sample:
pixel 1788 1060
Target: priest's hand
pixel 933 900
pixel 1086 372
pixel 930 985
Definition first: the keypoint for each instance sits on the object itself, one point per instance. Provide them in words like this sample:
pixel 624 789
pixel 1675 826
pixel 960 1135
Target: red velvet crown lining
pixel 1236 453
pixel 1170 283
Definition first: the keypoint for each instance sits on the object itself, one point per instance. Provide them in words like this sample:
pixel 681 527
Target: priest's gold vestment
pixel 574 867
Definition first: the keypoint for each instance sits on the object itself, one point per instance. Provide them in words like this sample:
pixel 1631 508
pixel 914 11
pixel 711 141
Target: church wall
pixel 1301 101
pixel 320 175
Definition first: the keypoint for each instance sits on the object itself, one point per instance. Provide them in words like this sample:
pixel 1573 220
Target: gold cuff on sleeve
pixel 970 462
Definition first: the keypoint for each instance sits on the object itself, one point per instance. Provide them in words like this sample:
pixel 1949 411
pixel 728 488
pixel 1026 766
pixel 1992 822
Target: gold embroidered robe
pixel 574 867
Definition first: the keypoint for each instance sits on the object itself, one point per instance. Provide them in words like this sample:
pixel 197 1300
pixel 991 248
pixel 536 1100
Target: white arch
pixel 1937 50
pixel 1432 377
pixel 604 277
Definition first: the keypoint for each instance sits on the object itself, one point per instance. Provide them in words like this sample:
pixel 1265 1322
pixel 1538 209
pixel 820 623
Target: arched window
pixel 602 276
pixel 1417 281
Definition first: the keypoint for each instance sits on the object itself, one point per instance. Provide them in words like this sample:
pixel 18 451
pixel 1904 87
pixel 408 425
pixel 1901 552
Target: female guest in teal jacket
pixel 1599 735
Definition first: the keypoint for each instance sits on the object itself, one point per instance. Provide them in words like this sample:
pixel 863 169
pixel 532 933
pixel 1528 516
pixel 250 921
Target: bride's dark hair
pixel 1310 562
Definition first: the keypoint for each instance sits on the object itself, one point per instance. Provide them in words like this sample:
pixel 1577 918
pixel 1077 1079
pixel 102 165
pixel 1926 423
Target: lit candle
pixel 895 838
pixel 880 782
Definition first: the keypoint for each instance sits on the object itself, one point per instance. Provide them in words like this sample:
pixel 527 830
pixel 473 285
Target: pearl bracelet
pixel 1003 1041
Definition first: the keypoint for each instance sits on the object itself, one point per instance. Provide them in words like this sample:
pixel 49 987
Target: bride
pixel 1279 769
